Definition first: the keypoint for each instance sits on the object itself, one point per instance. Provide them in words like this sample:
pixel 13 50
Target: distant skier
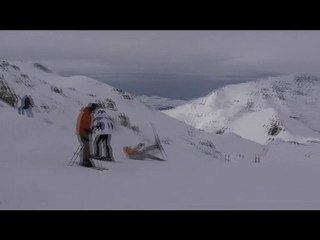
pixel 103 126
pixel 84 130
pixel 140 153
pixel 26 105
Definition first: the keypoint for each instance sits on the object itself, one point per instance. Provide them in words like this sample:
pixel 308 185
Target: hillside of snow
pixel 203 170
pixel 285 108
pixel 160 103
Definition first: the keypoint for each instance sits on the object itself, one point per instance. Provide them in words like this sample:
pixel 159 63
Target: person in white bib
pixel 103 126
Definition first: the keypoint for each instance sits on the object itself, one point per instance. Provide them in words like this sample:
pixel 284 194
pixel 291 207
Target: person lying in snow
pixel 140 153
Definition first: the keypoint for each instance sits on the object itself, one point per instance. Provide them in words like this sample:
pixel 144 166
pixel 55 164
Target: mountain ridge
pixel 273 103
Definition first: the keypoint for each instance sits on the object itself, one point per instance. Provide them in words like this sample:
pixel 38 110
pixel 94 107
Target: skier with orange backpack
pixel 83 130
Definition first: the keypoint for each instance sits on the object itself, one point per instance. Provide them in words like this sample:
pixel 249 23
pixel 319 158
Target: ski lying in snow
pixel 149 159
pixel 158 142
pixel 93 167
pixel 99 168
pixel 159 159
pixel 103 159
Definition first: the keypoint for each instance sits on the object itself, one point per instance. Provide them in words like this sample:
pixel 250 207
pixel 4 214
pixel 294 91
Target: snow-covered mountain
pixel 44 144
pixel 287 108
pixel 203 170
pixel 59 99
pixel 160 103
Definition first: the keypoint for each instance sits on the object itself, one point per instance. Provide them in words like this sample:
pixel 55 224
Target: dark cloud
pixel 214 53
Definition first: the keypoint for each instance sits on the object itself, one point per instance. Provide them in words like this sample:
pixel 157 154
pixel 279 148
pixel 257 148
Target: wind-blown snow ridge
pixel 286 108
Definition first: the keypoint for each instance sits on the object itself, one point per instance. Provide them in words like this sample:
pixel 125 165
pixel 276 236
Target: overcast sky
pixel 228 54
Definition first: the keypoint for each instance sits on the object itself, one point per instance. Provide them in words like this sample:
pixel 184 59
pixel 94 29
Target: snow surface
pixel 35 153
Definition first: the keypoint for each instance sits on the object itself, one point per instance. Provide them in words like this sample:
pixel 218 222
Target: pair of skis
pixel 96 166
pixel 158 142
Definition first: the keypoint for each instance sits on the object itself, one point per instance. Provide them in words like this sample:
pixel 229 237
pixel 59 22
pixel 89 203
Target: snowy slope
pixel 286 108
pixel 61 109
pixel 160 103
pixel 35 152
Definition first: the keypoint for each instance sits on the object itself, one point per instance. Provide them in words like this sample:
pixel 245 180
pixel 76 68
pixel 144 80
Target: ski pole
pixel 75 155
